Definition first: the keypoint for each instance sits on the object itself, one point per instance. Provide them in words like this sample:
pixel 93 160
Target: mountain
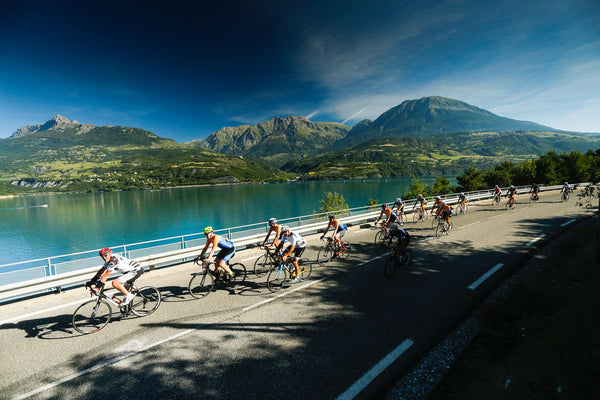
pixel 66 155
pixel 430 116
pixel 444 154
pixel 277 140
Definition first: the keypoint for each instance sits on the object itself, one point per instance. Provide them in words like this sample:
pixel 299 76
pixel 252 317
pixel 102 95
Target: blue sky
pixel 185 69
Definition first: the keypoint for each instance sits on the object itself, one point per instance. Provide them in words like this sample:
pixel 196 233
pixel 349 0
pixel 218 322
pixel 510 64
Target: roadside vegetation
pixel 543 342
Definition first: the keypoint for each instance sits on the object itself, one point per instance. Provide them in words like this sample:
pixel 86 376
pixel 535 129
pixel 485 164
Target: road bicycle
pixel 266 262
pixel 564 197
pixel 332 250
pixel 461 208
pixel 435 220
pixel 510 203
pixel 203 282
pixel 382 236
pixel 420 215
pixel 399 258
pixel 443 228
pixel 281 274
pixel 496 200
pixel 95 314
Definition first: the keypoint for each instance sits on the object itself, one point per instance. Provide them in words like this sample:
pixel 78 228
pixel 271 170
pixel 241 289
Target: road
pixel 346 332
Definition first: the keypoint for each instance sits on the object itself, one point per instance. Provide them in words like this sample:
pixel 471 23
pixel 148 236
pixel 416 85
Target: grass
pixel 544 342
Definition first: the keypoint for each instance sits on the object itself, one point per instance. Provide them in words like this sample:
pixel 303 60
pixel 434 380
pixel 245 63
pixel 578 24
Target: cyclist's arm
pixel 326 229
pixel 267 237
pixel 104 276
pixel 291 250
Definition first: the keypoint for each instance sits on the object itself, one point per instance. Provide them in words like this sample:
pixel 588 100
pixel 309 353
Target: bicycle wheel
pixel 263 264
pixel 434 221
pixel 380 240
pixel 240 273
pixel 324 255
pixel 343 254
pixel 439 230
pixel 91 316
pixel 389 267
pixel 146 301
pixel 406 259
pixel 277 278
pixel 201 284
pixel 305 267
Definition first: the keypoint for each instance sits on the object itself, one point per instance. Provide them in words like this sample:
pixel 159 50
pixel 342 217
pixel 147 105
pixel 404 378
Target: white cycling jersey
pixel 293 239
pixel 118 263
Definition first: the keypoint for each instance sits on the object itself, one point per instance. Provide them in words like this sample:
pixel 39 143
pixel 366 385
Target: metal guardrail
pixel 72 269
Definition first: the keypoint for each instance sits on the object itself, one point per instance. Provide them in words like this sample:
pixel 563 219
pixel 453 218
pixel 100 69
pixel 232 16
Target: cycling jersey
pixel 293 239
pixel 225 243
pixel 118 263
pixel 341 227
pixel 402 235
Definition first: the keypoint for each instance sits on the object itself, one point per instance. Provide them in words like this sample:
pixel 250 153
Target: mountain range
pixel 432 135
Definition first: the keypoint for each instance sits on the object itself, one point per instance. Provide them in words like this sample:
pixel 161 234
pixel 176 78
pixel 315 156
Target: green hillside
pixel 448 154
pixel 74 157
pixel 277 140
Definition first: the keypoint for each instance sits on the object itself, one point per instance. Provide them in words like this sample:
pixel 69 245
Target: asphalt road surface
pixel 346 332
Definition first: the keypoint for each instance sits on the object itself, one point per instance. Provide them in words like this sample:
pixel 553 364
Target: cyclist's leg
pixel 222 258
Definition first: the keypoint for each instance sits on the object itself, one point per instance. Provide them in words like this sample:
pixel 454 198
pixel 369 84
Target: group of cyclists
pixel 296 244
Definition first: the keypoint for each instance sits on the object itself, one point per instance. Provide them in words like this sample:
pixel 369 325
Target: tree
pixel 441 186
pixel 415 189
pixel 472 179
pixel 333 202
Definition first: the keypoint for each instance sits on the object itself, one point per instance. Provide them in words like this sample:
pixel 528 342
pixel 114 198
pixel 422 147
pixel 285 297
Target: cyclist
pixel 436 205
pixel 497 192
pixel 339 230
pixel 130 269
pixel 462 199
pixel 400 234
pixel 391 216
pixel 445 212
pixel 273 227
pixel 227 250
pixel 422 203
pixel 510 193
pixel 535 190
pixel 398 208
pixel 297 244
pixel 566 189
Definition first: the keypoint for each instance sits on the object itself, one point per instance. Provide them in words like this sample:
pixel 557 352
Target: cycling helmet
pixel 393 227
pixel 384 206
pixel 462 194
pixel 399 200
pixel 208 230
pixel 272 221
pixel 420 196
pixel 331 216
pixel 105 251
pixel 512 187
pixel 566 183
pixel 498 187
pixel 438 198
pixel 284 228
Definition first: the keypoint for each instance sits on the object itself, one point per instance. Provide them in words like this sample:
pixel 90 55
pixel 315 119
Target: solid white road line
pixel 471 224
pixel 367 378
pixel 543 235
pixel 483 277
pixel 20 317
pixel 569 222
